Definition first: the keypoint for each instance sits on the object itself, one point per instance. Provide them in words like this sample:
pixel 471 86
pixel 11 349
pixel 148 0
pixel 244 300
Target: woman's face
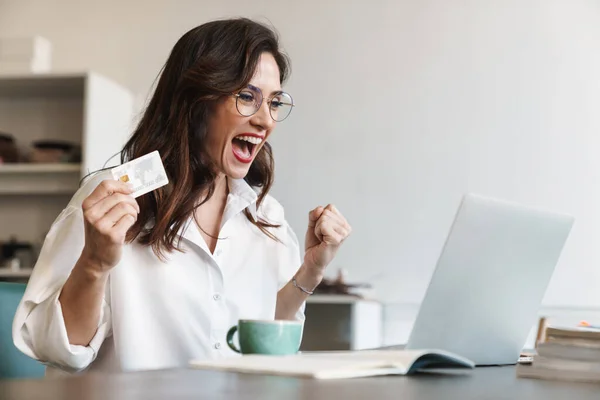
pixel 234 140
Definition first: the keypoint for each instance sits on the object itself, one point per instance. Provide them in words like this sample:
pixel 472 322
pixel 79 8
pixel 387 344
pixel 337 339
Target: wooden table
pixel 482 383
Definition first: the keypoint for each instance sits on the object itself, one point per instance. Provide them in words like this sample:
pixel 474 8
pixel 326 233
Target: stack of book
pixel 571 354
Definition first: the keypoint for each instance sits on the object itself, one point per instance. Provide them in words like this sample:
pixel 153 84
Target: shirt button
pixel 217 345
pixel 217 297
pixel 218 252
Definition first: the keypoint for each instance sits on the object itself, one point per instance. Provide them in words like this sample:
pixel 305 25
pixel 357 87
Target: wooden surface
pixel 482 383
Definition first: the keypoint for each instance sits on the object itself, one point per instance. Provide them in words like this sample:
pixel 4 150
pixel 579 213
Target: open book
pixel 341 364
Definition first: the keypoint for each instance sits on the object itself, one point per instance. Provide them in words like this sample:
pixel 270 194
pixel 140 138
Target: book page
pixel 338 364
pixel 402 359
pixel 575 332
pixel 315 366
pixel 398 358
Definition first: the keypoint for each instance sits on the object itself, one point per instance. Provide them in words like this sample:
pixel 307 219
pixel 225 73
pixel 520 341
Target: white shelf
pixel 7 273
pixel 342 322
pixel 80 107
pixel 39 168
pixel 16 179
pixel 42 85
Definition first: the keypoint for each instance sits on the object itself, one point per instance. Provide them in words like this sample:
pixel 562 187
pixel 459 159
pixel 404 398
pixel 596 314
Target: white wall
pixel 403 106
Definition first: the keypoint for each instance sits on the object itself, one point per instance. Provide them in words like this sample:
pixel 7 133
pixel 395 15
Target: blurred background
pixel 402 107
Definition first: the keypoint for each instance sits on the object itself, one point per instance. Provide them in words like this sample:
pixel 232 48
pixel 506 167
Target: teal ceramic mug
pixel 277 337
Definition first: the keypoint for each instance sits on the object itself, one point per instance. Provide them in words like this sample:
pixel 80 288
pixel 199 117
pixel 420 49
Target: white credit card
pixel 144 174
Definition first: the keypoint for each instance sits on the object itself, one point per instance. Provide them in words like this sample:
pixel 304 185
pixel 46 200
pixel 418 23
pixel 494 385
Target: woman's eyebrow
pixel 251 86
pixel 254 87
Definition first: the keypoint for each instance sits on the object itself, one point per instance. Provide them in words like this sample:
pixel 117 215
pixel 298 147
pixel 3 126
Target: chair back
pixel 13 363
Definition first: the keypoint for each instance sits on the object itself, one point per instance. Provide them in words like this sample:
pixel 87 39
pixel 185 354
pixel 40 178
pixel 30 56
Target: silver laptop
pixel 491 276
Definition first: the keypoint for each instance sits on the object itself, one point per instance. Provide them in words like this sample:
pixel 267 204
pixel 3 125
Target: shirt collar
pixel 241 196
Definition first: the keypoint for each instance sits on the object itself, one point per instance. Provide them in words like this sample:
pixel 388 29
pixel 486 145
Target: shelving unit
pixel 84 108
pixel 29 179
pixel 340 322
pixel 42 169
pixel 23 273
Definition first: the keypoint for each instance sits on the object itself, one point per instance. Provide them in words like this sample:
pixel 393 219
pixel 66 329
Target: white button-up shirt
pixel 160 314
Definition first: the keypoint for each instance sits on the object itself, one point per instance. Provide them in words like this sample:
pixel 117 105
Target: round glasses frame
pixel 258 101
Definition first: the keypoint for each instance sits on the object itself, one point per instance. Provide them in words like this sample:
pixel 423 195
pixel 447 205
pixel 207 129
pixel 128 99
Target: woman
pixel 130 284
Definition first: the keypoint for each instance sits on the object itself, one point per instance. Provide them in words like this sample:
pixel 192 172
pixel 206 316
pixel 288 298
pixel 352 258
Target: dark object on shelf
pixel 339 286
pixel 8 149
pixel 54 151
pixel 21 252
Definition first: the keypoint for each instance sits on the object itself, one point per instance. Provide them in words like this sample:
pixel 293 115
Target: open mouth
pixel 244 147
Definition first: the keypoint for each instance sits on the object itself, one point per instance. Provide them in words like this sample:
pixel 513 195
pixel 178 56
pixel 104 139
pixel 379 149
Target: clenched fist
pixel 327 229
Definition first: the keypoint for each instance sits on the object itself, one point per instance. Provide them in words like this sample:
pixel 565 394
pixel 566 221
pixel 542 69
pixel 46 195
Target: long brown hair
pixel 207 63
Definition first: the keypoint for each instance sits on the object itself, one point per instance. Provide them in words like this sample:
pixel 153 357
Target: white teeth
pixel 251 139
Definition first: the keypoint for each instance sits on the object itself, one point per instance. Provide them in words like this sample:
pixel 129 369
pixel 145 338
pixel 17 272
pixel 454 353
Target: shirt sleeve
pixel 38 328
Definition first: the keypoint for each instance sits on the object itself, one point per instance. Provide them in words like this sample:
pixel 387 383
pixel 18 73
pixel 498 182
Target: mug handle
pixel 230 334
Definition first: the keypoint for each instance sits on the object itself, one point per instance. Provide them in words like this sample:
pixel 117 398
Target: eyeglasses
pixel 249 100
